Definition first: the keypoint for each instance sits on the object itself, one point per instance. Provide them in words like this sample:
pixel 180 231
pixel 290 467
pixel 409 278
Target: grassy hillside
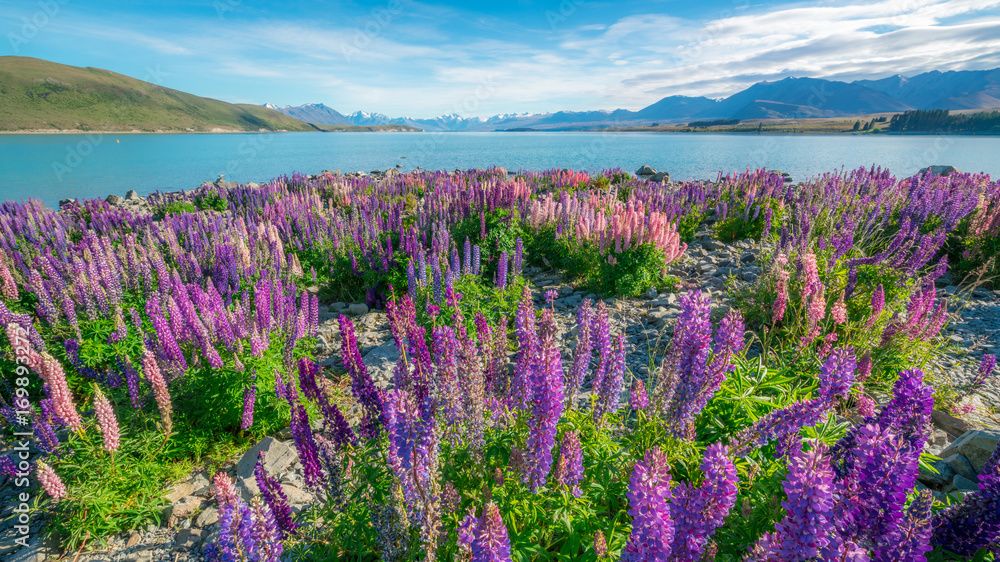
pixel 37 95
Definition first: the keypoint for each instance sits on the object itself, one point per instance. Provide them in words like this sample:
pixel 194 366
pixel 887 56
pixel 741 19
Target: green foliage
pixel 634 271
pixel 210 201
pixel 736 227
pixel 175 208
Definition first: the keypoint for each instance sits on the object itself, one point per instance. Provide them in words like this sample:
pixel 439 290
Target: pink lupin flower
pixel 50 481
pixel 781 288
pixel 839 311
pixel 7 285
pixel 224 490
pixel 62 399
pixel 106 420
pixel 160 392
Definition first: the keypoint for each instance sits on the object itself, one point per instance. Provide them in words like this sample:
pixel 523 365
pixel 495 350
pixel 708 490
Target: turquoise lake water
pixel 54 167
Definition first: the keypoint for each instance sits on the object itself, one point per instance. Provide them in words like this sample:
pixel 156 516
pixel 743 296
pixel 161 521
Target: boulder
pixel 179 491
pixel 944 476
pixel 63 203
pixel 115 199
pixel 976 445
pixel 131 195
pixel 960 466
pixel 950 424
pixel 645 171
pixel 661 177
pixel 938 170
pixel 357 309
pixel 381 362
pixel 277 458
pixel 188 539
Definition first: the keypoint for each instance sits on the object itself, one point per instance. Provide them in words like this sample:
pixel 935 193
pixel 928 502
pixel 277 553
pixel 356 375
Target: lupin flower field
pixel 783 413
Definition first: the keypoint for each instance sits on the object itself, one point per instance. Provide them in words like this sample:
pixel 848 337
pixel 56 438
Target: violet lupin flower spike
pixel 698 512
pixel 547 400
pixel 274 497
pixel 648 494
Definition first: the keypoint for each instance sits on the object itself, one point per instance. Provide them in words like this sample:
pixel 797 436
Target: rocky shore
pixel 191 521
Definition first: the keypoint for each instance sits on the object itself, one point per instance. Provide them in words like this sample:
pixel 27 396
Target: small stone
pixel 977 446
pixel 650 293
pixel 357 309
pixel 277 458
pixel 115 199
pixel 207 517
pixel 950 424
pixel 960 465
pixel 133 539
pixel 178 491
pixel 963 484
pixel 187 539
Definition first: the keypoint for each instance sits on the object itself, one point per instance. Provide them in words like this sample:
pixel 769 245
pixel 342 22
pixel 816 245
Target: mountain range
pixel 790 98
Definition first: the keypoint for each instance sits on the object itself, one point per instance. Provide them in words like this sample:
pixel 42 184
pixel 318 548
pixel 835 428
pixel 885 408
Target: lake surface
pixel 54 167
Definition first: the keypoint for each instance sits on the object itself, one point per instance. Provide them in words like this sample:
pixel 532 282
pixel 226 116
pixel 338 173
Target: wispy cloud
pixel 410 58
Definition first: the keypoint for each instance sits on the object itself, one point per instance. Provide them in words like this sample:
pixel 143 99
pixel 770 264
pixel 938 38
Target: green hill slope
pixel 37 95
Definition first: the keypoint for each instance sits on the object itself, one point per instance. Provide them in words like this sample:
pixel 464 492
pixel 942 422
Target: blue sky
pixel 422 59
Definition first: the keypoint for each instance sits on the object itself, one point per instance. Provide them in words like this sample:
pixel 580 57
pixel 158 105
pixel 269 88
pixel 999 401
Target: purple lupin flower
pixel 518 256
pixel 637 398
pixel 528 348
pixel 249 399
pixel 547 403
pixel 362 385
pixel 582 352
pixel 806 532
pixel 569 469
pixel 306 446
pixel 692 340
pixel 491 543
pixel 986 366
pixel 601 337
pixel 698 512
pixel 502 264
pixel 648 494
pixel 275 498
pixel 609 392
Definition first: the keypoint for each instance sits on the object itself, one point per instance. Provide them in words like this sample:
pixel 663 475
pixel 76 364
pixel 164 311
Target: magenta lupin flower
pixel 106 420
pixel 648 496
pixel 491 543
pixel 50 481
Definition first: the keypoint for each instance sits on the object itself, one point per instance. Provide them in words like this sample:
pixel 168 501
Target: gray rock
pixel 188 539
pixel 179 491
pixel 357 309
pixel 950 424
pixel 207 517
pixel 963 484
pixel 944 476
pixel 645 171
pixel 381 362
pixel 181 510
pixel 115 199
pixel 938 170
pixel 661 177
pixel 277 458
pixel 38 549
pixel 977 446
pixel 66 203
pixel 960 466
pixel 711 245
pixel 131 195
pixel 650 294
